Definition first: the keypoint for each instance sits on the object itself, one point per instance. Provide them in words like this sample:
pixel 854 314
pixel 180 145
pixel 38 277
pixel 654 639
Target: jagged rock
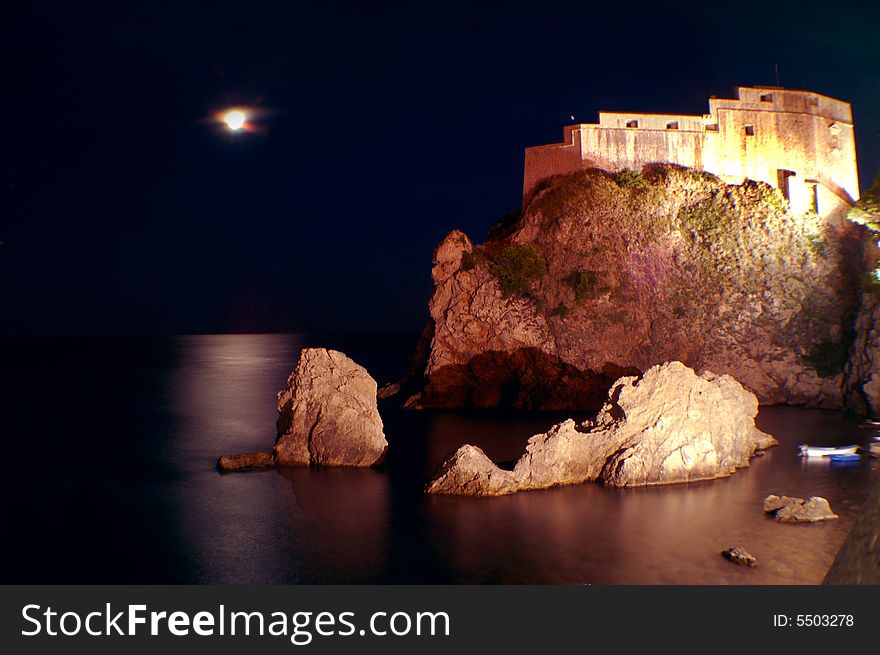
pixel 470 472
pixel 447 256
pixel 863 368
pixel 670 425
pixel 682 267
pixel 858 561
pixel 244 461
pixel 773 503
pixel 739 555
pixel 328 414
pixel 388 391
pixel 797 510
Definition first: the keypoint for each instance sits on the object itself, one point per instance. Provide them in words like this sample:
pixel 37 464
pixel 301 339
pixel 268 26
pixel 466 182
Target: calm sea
pixel 109 451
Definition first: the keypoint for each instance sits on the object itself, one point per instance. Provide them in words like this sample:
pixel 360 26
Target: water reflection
pixel 342 522
pixel 221 394
pixel 662 535
pixel 313 525
pixel 293 525
pixel 151 418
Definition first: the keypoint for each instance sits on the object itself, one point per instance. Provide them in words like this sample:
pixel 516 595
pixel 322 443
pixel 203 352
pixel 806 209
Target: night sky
pixel 125 212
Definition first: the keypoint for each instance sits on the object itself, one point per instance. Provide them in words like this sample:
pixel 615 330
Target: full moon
pixel 234 119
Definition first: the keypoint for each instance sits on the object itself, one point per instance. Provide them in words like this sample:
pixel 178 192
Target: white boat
pixel 815 451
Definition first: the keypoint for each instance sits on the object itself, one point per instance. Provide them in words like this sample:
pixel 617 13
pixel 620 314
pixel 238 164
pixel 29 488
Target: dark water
pixel 109 448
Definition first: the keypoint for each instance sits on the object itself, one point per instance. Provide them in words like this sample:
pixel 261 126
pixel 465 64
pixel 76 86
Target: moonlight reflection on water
pixel 150 419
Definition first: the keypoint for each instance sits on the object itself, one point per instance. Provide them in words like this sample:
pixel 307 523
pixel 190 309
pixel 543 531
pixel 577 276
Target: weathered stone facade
pixel 798 141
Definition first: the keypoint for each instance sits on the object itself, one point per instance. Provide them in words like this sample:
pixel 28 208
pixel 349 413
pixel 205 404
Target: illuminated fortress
pixel 798 141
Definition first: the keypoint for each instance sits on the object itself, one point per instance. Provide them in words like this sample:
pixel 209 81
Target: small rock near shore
pixel 739 555
pixel 244 461
pixel 797 510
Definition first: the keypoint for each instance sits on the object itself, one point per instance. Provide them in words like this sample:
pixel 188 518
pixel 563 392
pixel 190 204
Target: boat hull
pixel 815 451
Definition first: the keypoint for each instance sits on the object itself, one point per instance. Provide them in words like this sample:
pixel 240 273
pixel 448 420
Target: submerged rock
pixel 797 510
pixel 739 555
pixel 244 461
pixel 328 414
pixel 668 426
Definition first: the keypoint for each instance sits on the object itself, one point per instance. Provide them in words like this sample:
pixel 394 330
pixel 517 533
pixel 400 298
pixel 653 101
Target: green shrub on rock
pixel 560 310
pixel 517 267
pixel 828 357
pixel 505 226
pixel 473 258
pixel 583 283
pixel 628 179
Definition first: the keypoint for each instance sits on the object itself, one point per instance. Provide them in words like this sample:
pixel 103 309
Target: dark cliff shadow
pixel 526 378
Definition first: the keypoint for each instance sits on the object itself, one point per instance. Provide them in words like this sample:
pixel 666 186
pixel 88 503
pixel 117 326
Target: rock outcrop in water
pixel 668 426
pixel 607 275
pixel 739 555
pixel 328 414
pixel 327 417
pixel 797 510
pixel 246 461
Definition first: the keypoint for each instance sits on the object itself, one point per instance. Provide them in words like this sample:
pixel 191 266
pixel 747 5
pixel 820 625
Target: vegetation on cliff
pixel 612 271
pixel 867 209
pixel 517 267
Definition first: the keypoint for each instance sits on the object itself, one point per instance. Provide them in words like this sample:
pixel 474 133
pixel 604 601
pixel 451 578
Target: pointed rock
pixel 328 414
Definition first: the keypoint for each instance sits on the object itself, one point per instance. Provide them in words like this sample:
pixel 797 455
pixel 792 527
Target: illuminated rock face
pixel 327 417
pixel 797 141
pixel 671 265
pixel 669 426
pixel 328 414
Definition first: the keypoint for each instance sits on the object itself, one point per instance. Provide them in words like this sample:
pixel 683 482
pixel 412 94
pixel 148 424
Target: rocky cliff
pixel 606 275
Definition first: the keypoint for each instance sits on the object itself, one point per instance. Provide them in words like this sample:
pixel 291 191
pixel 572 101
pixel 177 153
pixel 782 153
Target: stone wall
pixel 798 141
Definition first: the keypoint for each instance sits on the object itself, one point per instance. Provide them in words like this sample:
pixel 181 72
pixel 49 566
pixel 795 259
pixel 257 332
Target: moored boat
pixel 844 458
pixel 817 451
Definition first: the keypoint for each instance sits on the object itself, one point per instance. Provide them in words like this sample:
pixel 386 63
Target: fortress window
pixel 833 136
pixel 767 97
pixel 712 127
pixel 813 195
pixel 813 101
pixel 672 125
pixel 749 130
pixel 783 183
pixel 633 123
